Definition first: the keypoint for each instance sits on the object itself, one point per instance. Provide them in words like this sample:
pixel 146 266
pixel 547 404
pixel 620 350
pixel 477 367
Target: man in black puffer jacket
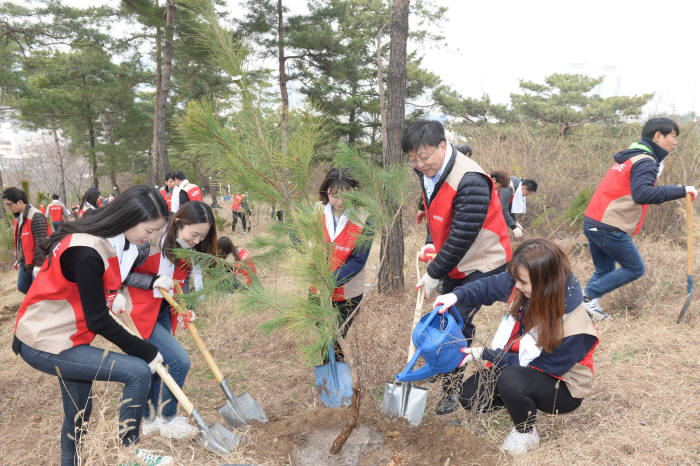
pixel 466 229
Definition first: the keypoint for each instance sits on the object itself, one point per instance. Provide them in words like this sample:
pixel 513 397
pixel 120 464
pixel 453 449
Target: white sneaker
pixel 151 459
pixel 594 310
pixel 177 428
pixel 150 425
pixel 517 443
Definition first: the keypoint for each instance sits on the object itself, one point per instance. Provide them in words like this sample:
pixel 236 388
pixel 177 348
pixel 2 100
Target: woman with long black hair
pixel 192 227
pixel 541 356
pixel 70 304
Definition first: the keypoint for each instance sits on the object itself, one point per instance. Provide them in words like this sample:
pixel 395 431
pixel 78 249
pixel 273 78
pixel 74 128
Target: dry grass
pixel 645 409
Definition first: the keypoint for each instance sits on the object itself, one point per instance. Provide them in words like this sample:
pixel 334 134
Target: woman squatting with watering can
pixel 541 356
pixel 69 304
pixel 192 227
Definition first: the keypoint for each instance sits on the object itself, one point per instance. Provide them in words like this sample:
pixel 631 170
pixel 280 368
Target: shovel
pixel 237 410
pixel 217 438
pixel 403 399
pixel 689 213
pixel 334 381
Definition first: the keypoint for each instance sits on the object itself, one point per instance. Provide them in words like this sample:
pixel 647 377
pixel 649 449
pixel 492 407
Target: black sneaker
pixel 447 405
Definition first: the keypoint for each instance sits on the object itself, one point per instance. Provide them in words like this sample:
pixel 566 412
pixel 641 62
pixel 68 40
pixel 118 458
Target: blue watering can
pixel 439 342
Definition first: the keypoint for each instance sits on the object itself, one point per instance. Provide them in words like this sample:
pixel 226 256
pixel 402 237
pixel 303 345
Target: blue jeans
pixel 78 368
pixel 175 358
pixel 607 248
pixel 24 278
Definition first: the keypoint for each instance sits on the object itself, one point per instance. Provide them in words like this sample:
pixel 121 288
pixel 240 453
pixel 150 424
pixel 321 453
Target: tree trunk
pixel 283 77
pixel 162 97
pixel 93 155
pixel 349 356
pixel 6 219
pixel 61 168
pixel 109 136
pixel 391 272
pixel 153 158
pixel 380 80
pixel 152 181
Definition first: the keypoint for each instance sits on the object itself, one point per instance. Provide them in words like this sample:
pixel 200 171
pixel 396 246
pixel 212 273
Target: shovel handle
pixel 128 323
pixel 418 312
pixel 196 337
pixel 690 213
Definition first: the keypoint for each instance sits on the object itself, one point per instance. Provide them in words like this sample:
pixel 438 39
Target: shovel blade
pixel 334 384
pixel 405 400
pixel 210 442
pixel 243 410
pixel 225 437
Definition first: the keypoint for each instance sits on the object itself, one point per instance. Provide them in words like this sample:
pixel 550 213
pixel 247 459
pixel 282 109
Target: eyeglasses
pixel 413 160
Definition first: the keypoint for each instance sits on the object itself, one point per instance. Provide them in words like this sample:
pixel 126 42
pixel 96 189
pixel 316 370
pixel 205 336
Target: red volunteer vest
pixel 491 249
pixel 237 200
pixel 244 265
pixel 342 248
pixel 146 306
pixel 26 236
pixel 51 317
pixel 167 195
pixel 612 202
pixel 42 209
pixel 56 212
pixel 193 192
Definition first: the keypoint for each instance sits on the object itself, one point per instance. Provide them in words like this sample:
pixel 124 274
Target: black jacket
pixel 469 209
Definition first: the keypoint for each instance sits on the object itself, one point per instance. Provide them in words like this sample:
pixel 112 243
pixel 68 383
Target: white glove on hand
pixel 427 252
pixel 119 304
pixel 446 300
pixel 153 364
pixel 163 281
pixel 692 191
pixel 471 354
pixel 517 233
pixel 182 319
pixel 428 284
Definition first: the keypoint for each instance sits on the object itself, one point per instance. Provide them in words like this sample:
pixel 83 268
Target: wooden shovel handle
pixel 690 213
pixel 419 308
pixel 128 323
pixel 194 333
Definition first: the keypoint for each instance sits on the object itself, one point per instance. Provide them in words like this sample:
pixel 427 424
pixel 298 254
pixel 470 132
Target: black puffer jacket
pixel 469 209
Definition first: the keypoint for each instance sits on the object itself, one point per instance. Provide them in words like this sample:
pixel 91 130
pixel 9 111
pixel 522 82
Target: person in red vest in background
pixel 239 209
pixel 350 240
pixel 541 356
pixel 30 230
pixel 243 264
pixel 167 190
pixel 57 212
pixel 618 206
pixel 89 203
pixel 466 230
pixel 183 192
pixel 42 209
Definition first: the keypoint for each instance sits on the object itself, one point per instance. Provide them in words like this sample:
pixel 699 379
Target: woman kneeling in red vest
pixel 192 227
pixel 69 303
pixel 541 356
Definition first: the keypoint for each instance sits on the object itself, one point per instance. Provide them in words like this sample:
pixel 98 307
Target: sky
pixel 639 46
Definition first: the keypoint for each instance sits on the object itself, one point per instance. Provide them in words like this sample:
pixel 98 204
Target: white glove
pixel 471 354
pixel 517 233
pixel 153 364
pixel 428 284
pixel 427 252
pixel 446 300
pixel 692 191
pixel 119 304
pixel 163 281
pixel 182 319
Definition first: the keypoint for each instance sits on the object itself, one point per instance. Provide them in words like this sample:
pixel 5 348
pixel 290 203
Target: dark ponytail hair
pixel 549 272
pixel 137 204
pixel 91 195
pixel 190 213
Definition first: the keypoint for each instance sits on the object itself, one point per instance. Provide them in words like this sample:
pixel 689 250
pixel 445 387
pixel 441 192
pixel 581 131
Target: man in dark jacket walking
pixel 618 206
pixel 30 230
pixel 466 229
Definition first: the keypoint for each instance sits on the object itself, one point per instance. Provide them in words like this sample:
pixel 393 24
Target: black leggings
pixel 234 221
pixel 522 390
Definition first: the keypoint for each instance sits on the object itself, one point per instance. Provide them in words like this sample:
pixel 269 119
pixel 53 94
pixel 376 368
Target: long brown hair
pixel 549 272
pixel 190 213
